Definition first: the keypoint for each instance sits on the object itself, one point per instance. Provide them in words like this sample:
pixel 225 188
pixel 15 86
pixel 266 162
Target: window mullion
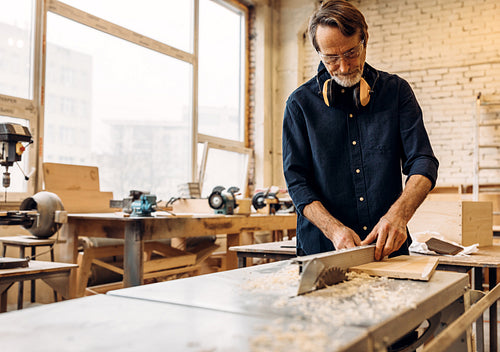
pixel 102 25
pixel 194 148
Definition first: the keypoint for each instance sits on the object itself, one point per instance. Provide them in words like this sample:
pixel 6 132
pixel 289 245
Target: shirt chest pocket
pixel 380 132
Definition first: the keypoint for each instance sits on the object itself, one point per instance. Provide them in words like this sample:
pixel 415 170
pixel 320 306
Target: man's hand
pixel 343 237
pixel 340 235
pixel 390 231
pixel 390 236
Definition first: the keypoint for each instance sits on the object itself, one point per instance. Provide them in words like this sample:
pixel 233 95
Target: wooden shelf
pixel 480 102
pixel 489 168
pixel 492 122
pixel 489 145
pixel 490 103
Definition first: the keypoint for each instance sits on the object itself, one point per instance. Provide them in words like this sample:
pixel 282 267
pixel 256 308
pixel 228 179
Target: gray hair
pixel 341 14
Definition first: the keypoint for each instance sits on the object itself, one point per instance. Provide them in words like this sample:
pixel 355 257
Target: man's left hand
pixel 390 234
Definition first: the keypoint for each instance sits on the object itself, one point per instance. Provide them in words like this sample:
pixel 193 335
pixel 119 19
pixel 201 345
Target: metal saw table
pixel 218 312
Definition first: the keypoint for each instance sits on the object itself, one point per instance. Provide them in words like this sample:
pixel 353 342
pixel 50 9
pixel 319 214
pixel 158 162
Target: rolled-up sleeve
pixel 418 157
pixel 297 160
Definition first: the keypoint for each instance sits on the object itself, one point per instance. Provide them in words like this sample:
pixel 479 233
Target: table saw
pixel 248 309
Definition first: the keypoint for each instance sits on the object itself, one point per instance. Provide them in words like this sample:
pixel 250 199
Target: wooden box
pixel 463 222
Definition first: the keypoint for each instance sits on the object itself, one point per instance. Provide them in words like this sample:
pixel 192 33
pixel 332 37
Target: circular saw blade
pixel 330 276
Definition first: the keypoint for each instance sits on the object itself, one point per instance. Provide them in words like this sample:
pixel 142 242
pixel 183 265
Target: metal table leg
pixel 20 294
pixel 477 284
pixel 493 311
pixel 242 260
pixel 133 256
pixel 33 287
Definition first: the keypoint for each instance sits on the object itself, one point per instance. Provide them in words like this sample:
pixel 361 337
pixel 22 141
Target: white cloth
pixel 421 247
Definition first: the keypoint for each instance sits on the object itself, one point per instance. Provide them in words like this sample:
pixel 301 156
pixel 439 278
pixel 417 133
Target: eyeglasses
pixel 334 60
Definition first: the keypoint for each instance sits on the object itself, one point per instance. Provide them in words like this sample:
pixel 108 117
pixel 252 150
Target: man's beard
pixel 347 80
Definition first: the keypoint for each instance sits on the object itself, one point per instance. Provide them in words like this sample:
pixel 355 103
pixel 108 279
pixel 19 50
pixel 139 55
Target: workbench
pixel 137 229
pixel 56 275
pixel 487 257
pixel 279 250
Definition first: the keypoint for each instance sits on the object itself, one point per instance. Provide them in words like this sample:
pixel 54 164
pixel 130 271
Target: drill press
pixel 12 136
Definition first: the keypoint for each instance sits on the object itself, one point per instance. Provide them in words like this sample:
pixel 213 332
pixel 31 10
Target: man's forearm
pixel 316 213
pixel 340 235
pixel 413 195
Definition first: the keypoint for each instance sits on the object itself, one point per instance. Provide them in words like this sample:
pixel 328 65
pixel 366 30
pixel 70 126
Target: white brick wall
pixel 449 51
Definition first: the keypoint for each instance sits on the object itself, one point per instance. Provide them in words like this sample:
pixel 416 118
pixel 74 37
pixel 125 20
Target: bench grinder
pixel 223 202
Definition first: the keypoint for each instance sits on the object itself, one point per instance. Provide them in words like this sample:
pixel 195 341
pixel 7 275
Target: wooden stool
pixel 32 242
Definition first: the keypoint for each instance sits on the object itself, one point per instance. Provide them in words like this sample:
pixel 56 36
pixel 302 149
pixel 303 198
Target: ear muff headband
pixel 361 93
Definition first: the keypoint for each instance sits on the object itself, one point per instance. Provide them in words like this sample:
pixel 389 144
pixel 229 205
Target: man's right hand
pixel 343 237
pixel 340 235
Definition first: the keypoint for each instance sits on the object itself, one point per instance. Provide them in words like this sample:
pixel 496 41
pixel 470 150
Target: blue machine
pixel 144 206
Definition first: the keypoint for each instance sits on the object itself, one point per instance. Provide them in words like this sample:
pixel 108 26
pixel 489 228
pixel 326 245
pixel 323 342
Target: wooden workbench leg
pixel 3 296
pixel 133 261
pixel 232 239
pixel 53 259
pixel 478 278
pixel 67 252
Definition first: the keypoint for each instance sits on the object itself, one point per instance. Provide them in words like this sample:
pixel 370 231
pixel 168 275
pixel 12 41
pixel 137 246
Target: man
pixel 348 135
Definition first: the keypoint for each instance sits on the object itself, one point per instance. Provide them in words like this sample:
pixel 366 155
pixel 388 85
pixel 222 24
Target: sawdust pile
pixel 315 321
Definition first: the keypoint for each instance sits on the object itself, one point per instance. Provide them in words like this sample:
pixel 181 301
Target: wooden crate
pixel 463 222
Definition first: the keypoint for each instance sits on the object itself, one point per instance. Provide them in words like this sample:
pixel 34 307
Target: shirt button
pixel 365 228
pixel 358 171
pixel 353 142
pixel 361 199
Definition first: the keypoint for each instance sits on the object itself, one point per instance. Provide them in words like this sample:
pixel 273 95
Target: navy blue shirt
pixel 350 159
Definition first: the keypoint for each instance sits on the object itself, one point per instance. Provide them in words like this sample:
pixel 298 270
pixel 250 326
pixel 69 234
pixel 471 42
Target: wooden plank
pixel 462 222
pixel 402 267
pixel 169 262
pixel 477 223
pixel 494 198
pixel 70 177
pixel 197 206
pixel 438 216
pixel 86 201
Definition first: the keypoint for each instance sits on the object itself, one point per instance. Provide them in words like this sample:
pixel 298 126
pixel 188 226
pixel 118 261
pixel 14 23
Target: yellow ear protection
pixel 361 92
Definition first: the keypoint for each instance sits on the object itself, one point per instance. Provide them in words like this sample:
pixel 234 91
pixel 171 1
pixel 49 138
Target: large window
pixel 18 89
pixel 132 88
pixel 16 48
pixel 221 71
pixel 117 105
pixel 223 157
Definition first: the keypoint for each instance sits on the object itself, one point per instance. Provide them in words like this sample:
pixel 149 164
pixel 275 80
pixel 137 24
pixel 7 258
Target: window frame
pixel 33 110
pixel 28 109
pixel 210 142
